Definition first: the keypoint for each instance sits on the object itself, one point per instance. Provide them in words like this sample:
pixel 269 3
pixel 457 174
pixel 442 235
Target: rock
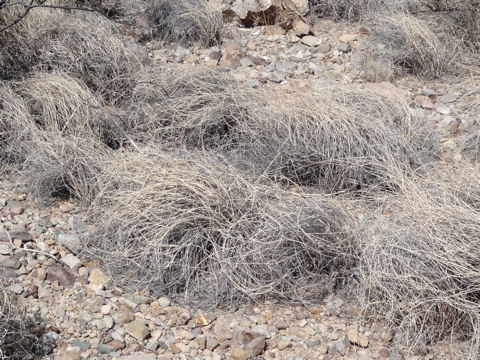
pixel 118 345
pixel 383 353
pixel 240 354
pixel 300 27
pixel 64 277
pixel 139 299
pixel 347 38
pixel 152 345
pixel 45 222
pixel 71 242
pixel 140 356
pixel 5 248
pixel 242 7
pixel 202 342
pixel 16 234
pixel 14 204
pixel 246 62
pixel 357 338
pixel 341 345
pixel 76 224
pixel 16 289
pixel 163 301
pixel 138 329
pixel 105 349
pixel 324 48
pixel 39 274
pixel 98 280
pixel 83 345
pixel 232 53
pixel 311 41
pixel 283 344
pixel 255 346
pixel 343 47
pixel 428 92
pixel 262 330
pixel 186 335
pixel 108 322
pixel 66 207
pixel 106 309
pixel 11 264
pixel 299 6
pixel 123 315
pixel 72 261
pixel 212 343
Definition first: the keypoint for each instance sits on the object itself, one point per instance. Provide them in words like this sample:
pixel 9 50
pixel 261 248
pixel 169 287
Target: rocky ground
pixel 89 318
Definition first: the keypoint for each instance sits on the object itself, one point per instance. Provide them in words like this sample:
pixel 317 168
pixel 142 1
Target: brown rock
pixel 301 27
pixel 357 338
pixel 118 345
pixel 64 277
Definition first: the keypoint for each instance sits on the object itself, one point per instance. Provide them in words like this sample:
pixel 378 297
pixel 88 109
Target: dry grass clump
pixel 18 341
pixel 337 138
pixel 193 107
pixel 420 263
pixel 415 45
pixel 334 138
pixel 21 44
pixel 63 166
pixel 186 21
pixel 89 47
pixel 191 225
pixel 14 120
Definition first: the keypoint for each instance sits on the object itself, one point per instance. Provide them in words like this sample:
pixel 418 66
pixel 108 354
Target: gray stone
pixel 71 242
pixel 5 248
pixel 72 261
pixel 152 345
pixel 140 356
pixel 262 330
pixel 311 41
pixel 76 224
pixel 83 345
pixel 212 343
pixel 429 92
pixel 342 345
pixel 14 204
pixel 139 299
pixel 246 62
pixel 17 234
pixel 343 47
pixel 45 222
pixel 105 349
pixel 16 289
pixel 324 48
pixel 11 263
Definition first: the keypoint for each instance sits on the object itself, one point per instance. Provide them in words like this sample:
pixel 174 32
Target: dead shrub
pixel 420 263
pixel 20 45
pixel 186 21
pixel 334 138
pixel 89 47
pixel 63 166
pixel 14 120
pixel 59 103
pixel 337 138
pixel 192 225
pixel 197 108
pixel 412 44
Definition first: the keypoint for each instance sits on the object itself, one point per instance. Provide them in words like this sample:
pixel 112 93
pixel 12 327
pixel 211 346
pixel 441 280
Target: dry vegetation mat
pixel 335 138
pixel 420 264
pixel 193 225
